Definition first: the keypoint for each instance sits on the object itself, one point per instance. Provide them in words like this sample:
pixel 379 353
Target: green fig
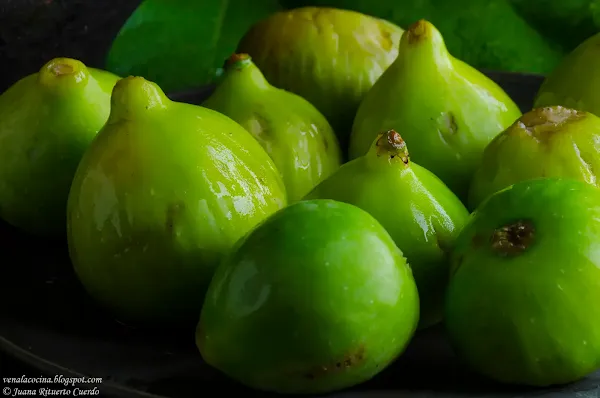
pixel 292 131
pixel 329 56
pixel 545 142
pixel 446 110
pixel 47 121
pixel 575 82
pixel 163 192
pixel 522 301
pixel 421 213
pixel 316 299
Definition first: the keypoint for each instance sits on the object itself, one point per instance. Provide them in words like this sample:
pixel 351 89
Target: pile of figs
pixel 347 185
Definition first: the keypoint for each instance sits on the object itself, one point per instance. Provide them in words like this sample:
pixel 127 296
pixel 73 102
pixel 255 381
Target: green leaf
pixel 181 44
pixel 565 22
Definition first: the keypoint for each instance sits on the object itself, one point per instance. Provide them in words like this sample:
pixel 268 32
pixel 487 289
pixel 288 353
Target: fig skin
pixel 575 82
pixel 329 56
pixel 316 299
pixel 163 192
pixel 418 210
pixel 47 121
pixel 446 110
pixel 545 142
pixel 292 131
pixel 522 302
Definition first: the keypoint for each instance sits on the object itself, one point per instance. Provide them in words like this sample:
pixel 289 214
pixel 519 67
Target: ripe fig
pixel 292 131
pixel 162 193
pixel 329 56
pixel 545 142
pixel 47 121
pixel 446 110
pixel 575 82
pixel 421 213
pixel 522 301
pixel 315 299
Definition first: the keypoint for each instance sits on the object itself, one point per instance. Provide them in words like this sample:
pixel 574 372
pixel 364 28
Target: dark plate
pixel 48 322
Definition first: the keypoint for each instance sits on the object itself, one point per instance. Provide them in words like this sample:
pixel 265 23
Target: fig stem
pixel 135 97
pixel 66 70
pixel 238 61
pixel 514 238
pixel 418 31
pixel 391 144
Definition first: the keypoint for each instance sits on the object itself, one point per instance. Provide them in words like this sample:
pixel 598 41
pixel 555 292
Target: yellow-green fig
pixel 421 214
pixel 47 121
pixel 446 110
pixel 575 82
pixel 329 56
pixel 545 142
pixel 292 131
pixel 160 196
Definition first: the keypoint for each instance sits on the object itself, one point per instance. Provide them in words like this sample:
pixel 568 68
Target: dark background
pixel 10 367
pixel 34 31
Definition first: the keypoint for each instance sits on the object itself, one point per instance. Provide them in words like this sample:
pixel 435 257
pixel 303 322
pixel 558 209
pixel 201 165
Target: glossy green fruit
pixel 446 110
pixel 575 82
pixel 522 302
pixel 47 121
pixel 160 196
pixel 315 299
pixel 329 56
pixel 292 131
pixel 545 142
pixel 490 34
pixel 420 213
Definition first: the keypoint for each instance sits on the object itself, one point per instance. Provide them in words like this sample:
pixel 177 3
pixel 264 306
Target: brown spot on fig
pixel 513 238
pixel 351 359
pixel 541 123
pixel 385 38
pixel 174 211
pixel 391 144
pixel 60 69
pixel 417 31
